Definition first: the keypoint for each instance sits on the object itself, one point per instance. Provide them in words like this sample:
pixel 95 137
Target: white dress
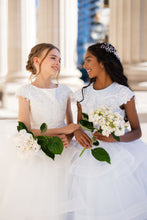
pixel 33 188
pixel 116 191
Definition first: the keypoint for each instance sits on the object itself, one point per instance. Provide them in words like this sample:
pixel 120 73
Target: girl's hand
pixel 64 139
pixel 103 138
pixel 70 128
pixel 83 139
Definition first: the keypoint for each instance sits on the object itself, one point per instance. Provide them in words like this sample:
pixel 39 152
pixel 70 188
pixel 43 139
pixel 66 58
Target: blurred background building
pixel 72 25
pixel 93 26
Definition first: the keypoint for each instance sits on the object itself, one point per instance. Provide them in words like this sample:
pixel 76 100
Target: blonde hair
pixel 36 51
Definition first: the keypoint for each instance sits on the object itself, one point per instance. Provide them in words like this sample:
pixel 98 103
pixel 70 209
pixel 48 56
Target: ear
pixel 101 65
pixel 36 60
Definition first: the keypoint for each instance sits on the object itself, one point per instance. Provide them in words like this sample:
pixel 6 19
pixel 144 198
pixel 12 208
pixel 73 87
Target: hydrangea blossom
pixel 108 122
pixel 25 143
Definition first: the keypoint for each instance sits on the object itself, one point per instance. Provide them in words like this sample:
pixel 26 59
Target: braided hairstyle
pixel 36 51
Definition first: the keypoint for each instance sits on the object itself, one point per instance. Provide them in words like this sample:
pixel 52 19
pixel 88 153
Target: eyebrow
pixel 87 57
pixel 52 55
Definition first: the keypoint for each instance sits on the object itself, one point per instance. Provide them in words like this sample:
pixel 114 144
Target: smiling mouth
pixel 88 71
pixel 55 68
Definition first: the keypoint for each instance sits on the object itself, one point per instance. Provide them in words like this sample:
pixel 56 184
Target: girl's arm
pixel 69 119
pixel 81 137
pixel 23 115
pixel 135 132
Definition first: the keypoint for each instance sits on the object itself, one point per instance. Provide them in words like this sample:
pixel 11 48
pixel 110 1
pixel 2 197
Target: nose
pixel 84 65
pixel 57 62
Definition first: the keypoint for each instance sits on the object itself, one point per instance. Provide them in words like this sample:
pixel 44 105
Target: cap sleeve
pixel 23 91
pixel 69 91
pixel 77 95
pixel 65 91
pixel 125 95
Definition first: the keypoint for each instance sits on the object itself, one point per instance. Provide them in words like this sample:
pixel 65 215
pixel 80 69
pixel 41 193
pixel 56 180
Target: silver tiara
pixel 110 49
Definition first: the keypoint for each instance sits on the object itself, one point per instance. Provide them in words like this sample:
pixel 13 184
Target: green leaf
pixel 100 154
pixel 85 116
pixel 86 125
pixel 100 131
pixel 94 141
pixel 55 145
pixel 43 142
pixel 115 137
pixel 22 126
pixel 43 128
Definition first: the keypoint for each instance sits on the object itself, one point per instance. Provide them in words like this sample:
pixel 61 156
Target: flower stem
pixel 82 152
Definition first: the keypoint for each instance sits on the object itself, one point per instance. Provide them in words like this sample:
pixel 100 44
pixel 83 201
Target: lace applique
pixel 24 92
pixel 77 95
pixel 125 95
pixel 65 92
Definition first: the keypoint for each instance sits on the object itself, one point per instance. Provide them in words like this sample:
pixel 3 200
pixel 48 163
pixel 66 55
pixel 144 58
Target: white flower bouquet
pixel 27 144
pixel 106 123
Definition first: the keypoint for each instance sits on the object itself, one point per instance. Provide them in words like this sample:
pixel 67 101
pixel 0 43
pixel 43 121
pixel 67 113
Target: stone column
pixel 3 38
pixel 128 33
pixel 57 24
pixel 28 31
pixel 14 40
pixel 21 37
pixel 3 47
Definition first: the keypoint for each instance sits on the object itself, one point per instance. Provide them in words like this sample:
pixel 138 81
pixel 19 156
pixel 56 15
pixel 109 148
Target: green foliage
pixel 22 126
pixel 43 128
pixel 55 145
pixel 100 154
pixel 43 142
pixel 85 116
pixel 115 137
pixel 94 141
pixel 49 145
pixel 86 125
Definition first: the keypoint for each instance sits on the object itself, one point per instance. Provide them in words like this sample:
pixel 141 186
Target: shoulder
pixel 24 91
pixel 124 93
pixel 64 89
pixel 78 95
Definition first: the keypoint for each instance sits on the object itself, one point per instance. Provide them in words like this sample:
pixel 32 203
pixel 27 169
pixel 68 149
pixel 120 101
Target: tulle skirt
pixel 32 188
pixel 116 191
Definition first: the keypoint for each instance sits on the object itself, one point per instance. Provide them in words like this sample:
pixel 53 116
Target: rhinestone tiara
pixel 110 49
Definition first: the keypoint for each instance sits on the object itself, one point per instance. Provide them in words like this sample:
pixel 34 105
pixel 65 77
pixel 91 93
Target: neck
pixel 42 82
pixel 102 83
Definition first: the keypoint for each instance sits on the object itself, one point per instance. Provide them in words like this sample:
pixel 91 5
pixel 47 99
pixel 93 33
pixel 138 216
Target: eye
pixel 88 60
pixel 53 58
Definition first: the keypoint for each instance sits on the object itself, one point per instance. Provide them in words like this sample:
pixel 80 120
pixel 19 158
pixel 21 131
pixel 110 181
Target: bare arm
pixel 69 119
pixel 23 115
pixel 81 137
pixel 135 132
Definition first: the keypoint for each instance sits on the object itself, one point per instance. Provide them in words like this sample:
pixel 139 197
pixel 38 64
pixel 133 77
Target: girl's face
pixel 51 64
pixel 93 67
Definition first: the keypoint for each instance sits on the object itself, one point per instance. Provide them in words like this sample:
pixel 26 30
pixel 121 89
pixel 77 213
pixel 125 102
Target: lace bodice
pixel 113 97
pixel 46 105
